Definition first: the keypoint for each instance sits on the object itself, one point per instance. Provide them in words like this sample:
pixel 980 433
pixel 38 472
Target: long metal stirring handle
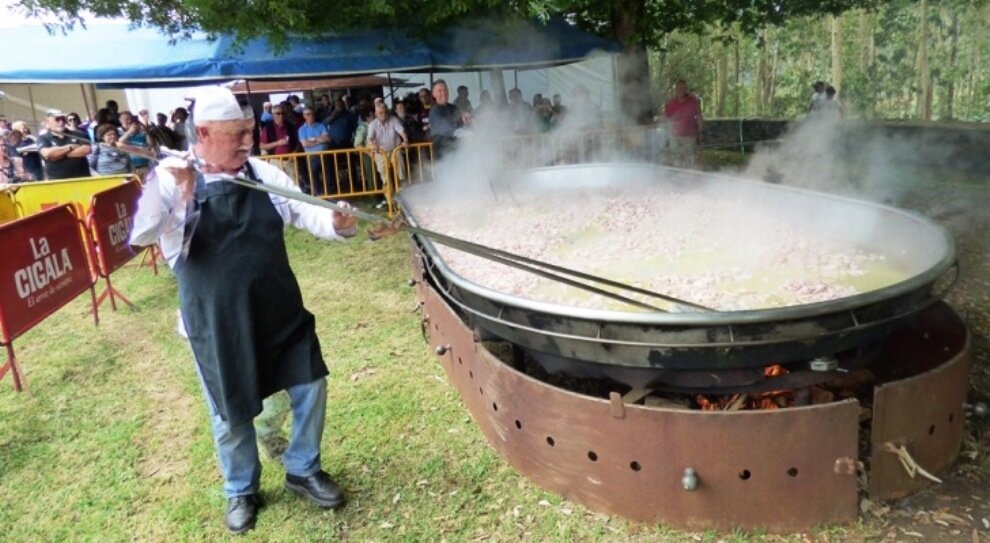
pixel 459 243
pixel 488 255
pixel 303 197
pixel 497 255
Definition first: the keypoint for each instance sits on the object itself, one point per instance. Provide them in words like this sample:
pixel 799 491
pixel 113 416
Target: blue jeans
pixel 237 447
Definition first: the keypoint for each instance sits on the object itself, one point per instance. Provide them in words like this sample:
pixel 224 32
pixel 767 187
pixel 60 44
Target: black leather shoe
pixel 242 512
pixel 319 488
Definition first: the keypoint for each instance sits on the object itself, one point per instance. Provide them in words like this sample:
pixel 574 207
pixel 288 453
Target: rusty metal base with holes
pixel 782 470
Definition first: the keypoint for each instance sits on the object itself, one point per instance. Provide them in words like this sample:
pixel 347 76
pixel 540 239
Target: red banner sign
pixel 111 217
pixel 44 267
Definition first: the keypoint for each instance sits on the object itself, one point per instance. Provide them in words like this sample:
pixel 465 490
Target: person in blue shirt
pixel 341 124
pixel 134 135
pixel 266 112
pixel 315 139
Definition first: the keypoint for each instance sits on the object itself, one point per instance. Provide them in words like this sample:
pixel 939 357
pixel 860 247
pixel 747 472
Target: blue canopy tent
pixel 116 55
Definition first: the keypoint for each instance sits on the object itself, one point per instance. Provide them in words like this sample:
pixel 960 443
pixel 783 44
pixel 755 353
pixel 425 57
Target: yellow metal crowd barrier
pixel 29 198
pixel 8 208
pixel 332 174
pixel 413 164
pixel 351 173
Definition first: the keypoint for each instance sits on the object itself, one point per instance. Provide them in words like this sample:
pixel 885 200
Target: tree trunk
pixel 663 72
pixel 975 60
pixel 762 75
pixel 872 74
pixel 722 79
pixel 865 39
pixel 738 88
pixel 924 73
pixel 634 67
pixel 953 55
pixel 836 51
pixel 772 90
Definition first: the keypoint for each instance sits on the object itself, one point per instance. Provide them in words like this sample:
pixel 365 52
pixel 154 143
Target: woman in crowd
pixel 11 165
pixel 135 142
pixel 361 142
pixel 103 116
pixel 73 124
pixel 106 158
pixel 180 129
pixel 27 149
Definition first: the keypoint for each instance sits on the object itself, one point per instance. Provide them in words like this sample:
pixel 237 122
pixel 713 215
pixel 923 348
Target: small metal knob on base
pixel 823 364
pixel 442 349
pixel 690 480
pixel 979 409
pixel 412 282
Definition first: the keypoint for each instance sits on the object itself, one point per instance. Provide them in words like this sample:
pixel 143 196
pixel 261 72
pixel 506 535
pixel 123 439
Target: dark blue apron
pixel 249 331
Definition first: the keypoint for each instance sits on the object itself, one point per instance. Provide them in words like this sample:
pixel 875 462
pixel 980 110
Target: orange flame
pixel 767 400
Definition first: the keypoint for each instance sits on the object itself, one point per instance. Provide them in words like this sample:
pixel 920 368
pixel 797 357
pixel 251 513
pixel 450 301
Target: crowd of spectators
pixel 424 116
pixel 366 122
pixel 110 142
pixel 116 142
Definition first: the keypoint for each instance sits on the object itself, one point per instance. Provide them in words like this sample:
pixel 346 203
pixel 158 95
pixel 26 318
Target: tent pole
pixel 34 112
pixel 82 90
pixel 92 98
pixel 391 89
pixel 247 86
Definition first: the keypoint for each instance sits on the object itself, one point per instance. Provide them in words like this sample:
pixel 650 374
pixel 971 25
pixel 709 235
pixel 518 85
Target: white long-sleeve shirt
pixel 161 214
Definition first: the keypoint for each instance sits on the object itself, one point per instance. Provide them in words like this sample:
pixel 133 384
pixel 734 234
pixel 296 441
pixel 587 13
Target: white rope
pixel 908 462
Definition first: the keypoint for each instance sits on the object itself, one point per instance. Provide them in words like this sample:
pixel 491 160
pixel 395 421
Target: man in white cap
pixel 249 332
pixel 64 152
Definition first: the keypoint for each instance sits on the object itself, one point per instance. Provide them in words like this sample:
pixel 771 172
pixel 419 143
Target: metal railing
pixel 340 173
pixel 413 164
pixel 352 173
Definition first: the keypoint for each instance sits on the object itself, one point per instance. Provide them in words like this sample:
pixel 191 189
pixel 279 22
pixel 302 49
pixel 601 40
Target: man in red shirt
pixel 683 114
pixel 280 137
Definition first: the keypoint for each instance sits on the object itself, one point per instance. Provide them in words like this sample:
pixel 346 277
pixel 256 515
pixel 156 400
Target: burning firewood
pixel 657 401
pixel 736 403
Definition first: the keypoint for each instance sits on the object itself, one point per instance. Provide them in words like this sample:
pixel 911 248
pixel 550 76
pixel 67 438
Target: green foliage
pixel 782 46
pixel 276 19
pixel 877 50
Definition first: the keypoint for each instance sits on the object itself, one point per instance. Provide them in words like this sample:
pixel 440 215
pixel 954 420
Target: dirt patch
pixel 168 429
pixel 171 413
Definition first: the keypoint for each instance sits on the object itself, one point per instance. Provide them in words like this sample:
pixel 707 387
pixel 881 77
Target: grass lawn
pixel 112 441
